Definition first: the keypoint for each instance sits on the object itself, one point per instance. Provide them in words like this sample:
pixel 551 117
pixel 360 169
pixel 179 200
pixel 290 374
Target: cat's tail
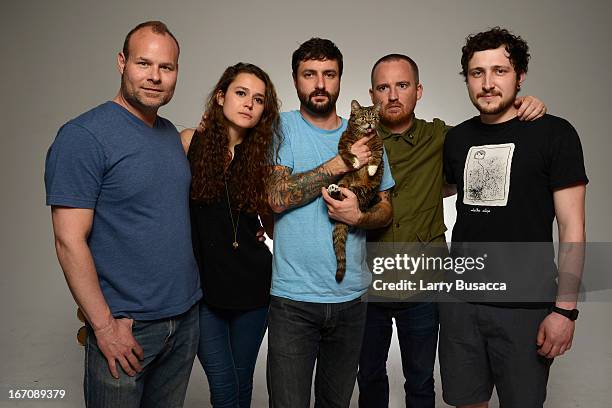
pixel 339 236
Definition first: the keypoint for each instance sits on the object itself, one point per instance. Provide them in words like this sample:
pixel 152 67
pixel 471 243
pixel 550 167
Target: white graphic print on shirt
pixel 486 175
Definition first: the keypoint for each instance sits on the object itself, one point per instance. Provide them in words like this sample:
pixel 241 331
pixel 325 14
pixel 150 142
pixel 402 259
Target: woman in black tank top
pixel 231 157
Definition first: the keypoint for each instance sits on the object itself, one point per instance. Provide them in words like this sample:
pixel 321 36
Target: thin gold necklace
pixel 234 226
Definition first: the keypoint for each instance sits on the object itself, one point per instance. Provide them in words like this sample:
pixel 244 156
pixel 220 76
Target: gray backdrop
pixel 59 60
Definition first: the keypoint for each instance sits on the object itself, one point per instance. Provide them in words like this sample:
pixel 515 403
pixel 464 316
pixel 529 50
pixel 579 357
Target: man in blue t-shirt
pixel 117 181
pixel 312 317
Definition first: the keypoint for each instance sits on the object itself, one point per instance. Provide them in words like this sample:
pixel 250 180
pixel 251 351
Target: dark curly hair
pixel 251 167
pixel 494 38
pixel 316 49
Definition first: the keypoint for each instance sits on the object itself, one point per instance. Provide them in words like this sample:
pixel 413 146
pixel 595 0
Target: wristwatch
pixel 570 314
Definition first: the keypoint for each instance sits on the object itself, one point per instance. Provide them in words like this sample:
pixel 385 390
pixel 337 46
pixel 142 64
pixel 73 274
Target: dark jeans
pixel 229 344
pixel 417 331
pixel 301 333
pixel 169 350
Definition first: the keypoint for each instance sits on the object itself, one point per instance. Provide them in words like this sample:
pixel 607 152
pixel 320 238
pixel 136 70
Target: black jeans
pixel 300 333
pixel 417 332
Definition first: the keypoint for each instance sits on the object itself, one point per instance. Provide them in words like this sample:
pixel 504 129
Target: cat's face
pixel 365 117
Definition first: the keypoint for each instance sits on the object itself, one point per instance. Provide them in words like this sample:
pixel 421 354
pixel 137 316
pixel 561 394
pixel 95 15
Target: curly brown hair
pixel 517 48
pixel 248 173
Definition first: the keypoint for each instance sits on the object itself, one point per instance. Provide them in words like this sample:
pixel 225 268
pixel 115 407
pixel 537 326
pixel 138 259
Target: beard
pixel 493 109
pixel 318 108
pixel 394 119
pixel 132 96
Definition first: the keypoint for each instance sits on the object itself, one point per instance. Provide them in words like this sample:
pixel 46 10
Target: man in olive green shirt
pixel 414 148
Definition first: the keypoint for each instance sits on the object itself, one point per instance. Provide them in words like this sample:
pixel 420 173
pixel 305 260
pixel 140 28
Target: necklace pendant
pixel 235 245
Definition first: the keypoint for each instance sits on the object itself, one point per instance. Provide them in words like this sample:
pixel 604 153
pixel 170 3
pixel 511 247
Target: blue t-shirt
pixel 136 179
pixel 304 263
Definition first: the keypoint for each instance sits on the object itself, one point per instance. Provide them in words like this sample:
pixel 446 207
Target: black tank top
pixel 231 278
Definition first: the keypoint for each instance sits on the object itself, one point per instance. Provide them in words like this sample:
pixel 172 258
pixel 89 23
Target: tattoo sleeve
pixel 380 214
pixel 288 190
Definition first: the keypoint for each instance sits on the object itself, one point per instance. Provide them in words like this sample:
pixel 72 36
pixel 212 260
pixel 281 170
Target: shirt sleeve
pixel 567 159
pixel 387 181
pixel 74 168
pixel 285 151
pixel 449 177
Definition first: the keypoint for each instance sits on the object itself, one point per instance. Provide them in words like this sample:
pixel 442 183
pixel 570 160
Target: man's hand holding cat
pixel 347 210
pixel 361 151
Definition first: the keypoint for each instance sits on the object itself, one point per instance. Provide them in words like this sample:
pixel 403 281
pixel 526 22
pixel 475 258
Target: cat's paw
pixel 334 191
pixel 372 169
pixel 356 163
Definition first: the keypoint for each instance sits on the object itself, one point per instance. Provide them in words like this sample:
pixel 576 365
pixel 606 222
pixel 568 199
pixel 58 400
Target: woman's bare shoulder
pixel 186 136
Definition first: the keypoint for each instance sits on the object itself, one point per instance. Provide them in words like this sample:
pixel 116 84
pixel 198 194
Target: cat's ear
pixel 355 106
pixel 377 108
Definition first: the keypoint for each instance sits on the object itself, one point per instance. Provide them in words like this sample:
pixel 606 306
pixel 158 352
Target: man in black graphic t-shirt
pixel 513 178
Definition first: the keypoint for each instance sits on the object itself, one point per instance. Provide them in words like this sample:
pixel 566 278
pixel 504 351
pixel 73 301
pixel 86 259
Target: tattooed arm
pixel 294 190
pixel 347 210
pixel 288 190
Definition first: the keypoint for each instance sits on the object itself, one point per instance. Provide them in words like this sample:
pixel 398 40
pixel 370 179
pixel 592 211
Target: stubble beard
pixel 501 107
pixel 133 98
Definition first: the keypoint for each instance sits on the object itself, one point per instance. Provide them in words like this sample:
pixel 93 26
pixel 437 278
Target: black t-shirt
pixel 505 175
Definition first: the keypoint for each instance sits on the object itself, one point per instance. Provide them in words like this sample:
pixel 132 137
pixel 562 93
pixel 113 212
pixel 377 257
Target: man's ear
pixel 521 79
pixel 121 61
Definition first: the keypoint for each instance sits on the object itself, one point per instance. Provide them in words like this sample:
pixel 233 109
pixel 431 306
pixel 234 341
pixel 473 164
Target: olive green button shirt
pixel 415 158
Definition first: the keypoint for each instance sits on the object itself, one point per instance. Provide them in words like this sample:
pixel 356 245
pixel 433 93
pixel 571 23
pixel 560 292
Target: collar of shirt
pixel 410 135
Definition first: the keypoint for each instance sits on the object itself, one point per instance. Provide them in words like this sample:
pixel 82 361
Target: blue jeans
pixel 417 331
pixel 169 350
pixel 301 333
pixel 229 343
